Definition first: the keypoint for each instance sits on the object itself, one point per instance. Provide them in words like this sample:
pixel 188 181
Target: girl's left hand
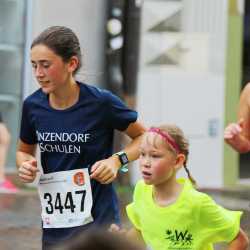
pixel 105 171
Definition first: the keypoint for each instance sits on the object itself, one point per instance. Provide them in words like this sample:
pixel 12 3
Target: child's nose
pixel 146 162
pixel 39 71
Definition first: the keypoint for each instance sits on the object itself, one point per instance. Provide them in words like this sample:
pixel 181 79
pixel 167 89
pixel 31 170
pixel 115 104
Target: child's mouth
pixel 146 175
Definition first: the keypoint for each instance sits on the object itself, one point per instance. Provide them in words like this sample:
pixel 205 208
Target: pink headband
pixel 167 138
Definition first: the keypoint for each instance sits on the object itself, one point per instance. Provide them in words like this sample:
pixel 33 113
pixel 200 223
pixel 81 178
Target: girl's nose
pixel 146 162
pixel 39 71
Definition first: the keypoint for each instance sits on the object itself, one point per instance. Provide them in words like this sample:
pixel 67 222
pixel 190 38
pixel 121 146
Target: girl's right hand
pixel 27 171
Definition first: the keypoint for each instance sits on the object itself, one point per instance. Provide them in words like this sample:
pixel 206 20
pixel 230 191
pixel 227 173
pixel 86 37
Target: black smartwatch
pixel 123 158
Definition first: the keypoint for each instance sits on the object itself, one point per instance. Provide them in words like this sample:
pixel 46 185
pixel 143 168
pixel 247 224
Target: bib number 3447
pixel 59 204
pixel 66 198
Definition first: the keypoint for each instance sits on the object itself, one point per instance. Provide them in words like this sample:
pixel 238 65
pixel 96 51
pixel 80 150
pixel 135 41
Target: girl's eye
pixel 46 66
pixel 34 66
pixel 156 156
pixel 142 154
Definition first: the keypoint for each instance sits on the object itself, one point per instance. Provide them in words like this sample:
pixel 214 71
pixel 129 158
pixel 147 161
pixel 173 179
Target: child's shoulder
pixel 199 195
pixel 195 196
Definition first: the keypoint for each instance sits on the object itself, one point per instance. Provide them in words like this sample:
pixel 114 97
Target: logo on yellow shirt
pixel 179 239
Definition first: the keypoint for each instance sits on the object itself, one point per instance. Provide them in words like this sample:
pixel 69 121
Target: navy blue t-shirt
pixel 75 138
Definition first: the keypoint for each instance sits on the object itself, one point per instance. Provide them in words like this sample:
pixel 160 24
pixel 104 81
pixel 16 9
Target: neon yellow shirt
pixel 193 222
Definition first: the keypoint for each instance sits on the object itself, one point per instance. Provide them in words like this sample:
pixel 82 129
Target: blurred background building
pixel 175 61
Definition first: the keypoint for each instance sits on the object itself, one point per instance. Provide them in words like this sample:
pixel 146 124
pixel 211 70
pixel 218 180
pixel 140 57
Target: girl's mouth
pixel 146 175
pixel 43 82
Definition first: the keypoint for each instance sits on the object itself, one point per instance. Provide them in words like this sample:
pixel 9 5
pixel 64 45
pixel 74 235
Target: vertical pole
pixel 26 77
pixel 131 46
pixel 232 86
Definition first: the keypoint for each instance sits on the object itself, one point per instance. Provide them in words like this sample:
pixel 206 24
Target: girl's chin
pixel 46 90
pixel 147 181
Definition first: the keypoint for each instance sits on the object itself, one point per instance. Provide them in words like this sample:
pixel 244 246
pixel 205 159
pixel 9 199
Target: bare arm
pixel 105 171
pixel 135 235
pixel 135 132
pixel 237 135
pixel 26 161
pixel 241 242
pixel 244 115
pixel 25 152
pixel 132 234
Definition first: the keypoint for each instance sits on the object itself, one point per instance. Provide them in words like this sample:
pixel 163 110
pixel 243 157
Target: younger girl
pixel 168 213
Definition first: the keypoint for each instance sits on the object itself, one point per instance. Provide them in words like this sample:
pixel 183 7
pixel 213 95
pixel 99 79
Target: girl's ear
pixel 180 159
pixel 73 64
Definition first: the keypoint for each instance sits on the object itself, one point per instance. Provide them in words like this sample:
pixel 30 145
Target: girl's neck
pixel 66 96
pixel 167 193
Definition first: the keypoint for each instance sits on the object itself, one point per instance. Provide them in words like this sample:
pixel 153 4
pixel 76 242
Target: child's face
pixel 157 160
pixel 49 69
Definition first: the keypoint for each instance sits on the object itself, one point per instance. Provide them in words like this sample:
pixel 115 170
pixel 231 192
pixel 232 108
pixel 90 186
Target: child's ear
pixel 180 161
pixel 73 64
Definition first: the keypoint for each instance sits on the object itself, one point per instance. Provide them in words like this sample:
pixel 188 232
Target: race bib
pixel 66 198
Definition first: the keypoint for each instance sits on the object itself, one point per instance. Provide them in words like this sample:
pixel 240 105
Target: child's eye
pixel 34 66
pixel 46 66
pixel 156 156
pixel 142 154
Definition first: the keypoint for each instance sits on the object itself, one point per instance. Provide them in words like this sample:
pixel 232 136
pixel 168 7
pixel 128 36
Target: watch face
pixel 124 158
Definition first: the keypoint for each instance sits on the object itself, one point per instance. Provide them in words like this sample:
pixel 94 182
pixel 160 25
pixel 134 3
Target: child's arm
pixel 135 235
pixel 241 242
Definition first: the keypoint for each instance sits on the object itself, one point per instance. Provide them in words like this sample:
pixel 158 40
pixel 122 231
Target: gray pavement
pixel 20 221
pixel 20 216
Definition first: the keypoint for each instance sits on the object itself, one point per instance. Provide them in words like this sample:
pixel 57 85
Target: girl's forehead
pixel 153 139
pixel 42 52
pixel 41 47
